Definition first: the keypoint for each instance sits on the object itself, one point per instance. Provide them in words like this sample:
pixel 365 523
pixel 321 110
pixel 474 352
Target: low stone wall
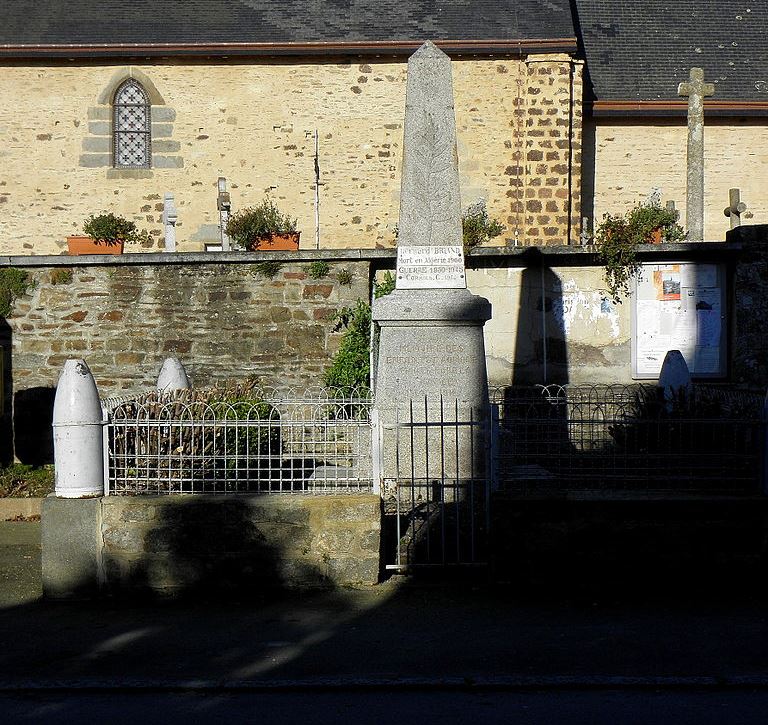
pixel 174 545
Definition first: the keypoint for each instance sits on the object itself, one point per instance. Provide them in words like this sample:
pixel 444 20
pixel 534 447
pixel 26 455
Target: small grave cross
pixel 696 90
pixel 585 237
pixel 736 207
pixel 170 216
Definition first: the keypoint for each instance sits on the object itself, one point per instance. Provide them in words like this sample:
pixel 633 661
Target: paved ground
pixel 393 638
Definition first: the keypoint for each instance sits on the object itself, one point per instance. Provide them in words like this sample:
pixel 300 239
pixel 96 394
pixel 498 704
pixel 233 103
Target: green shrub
pixel 350 369
pixel 344 277
pixel 387 285
pixel 14 283
pixel 477 227
pixel 269 269
pixel 318 270
pixel 62 275
pixel 110 229
pixel 247 226
pixel 619 236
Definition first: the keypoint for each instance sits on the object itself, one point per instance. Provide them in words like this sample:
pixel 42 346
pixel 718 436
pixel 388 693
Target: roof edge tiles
pixel 620 109
pixel 405 47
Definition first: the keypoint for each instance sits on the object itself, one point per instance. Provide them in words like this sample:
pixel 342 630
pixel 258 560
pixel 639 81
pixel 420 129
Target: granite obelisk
pixel 431 348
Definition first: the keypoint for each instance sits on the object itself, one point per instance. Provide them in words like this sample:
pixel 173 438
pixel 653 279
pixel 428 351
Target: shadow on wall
pixel 32 420
pixel 205 548
pixel 6 411
pixel 541 353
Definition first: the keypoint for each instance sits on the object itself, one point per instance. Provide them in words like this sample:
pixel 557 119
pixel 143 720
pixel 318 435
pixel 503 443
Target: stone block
pixel 100 128
pixel 95 161
pixel 162 130
pixel 167 162
pixel 127 538
pixel 334 542
pixel 70 547
pixel 352 571
pixel 113 173
pixel 364 509
pixel 97 144
pixel 163 113
pixel 165 146
pixel 278 509
pixel 100 113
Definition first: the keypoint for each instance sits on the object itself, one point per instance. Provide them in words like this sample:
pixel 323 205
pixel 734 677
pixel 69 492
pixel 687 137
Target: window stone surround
pixel 97 145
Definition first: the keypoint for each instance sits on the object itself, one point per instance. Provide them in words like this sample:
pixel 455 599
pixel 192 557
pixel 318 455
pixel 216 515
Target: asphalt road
pixel 396 652
pixel 384 708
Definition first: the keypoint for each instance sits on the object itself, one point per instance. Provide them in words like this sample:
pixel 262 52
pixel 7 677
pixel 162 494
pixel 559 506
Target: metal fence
pixel 629 438
pixel 193 442
pixel 435 484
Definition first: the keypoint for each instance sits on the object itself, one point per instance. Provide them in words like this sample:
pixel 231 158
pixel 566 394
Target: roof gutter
pixel 389 47
pixel 674 109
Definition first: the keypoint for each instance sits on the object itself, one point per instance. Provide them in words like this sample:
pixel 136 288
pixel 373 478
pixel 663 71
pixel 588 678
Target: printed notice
pixel 679 306
pixel 430 267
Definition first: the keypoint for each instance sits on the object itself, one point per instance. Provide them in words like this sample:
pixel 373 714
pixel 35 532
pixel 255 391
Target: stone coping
pixel 15 508
pixel 577 254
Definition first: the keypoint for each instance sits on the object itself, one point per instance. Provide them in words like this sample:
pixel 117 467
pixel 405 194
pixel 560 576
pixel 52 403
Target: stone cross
pixel 696 90
pixel 736 207
pixel 170 216
pixel 430 252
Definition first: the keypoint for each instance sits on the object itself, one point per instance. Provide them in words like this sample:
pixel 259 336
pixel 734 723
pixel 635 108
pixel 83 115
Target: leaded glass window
pixel 132 126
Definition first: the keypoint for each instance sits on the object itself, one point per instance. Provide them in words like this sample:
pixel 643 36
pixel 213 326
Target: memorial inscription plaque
pixel 430 267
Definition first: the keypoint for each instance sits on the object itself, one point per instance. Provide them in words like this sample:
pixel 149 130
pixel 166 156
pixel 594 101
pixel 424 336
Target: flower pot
pixel 656 236
pixel 85 245
pixel 277 243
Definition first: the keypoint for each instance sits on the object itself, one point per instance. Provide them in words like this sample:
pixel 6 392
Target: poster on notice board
pixel 679 306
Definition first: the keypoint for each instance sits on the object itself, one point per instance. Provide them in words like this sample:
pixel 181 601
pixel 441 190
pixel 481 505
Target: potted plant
pixel 105 234
pixel 263 227
pixel 618 237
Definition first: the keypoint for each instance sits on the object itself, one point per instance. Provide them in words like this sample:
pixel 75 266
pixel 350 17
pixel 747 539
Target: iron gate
pixel 435 473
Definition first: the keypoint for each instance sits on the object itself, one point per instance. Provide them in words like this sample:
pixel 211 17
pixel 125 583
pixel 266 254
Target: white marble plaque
pixel 430 267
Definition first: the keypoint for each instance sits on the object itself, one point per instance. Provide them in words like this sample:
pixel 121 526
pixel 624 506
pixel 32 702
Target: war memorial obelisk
pixel 431 327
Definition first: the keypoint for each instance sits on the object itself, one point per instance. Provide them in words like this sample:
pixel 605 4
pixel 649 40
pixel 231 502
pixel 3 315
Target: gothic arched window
pixel 132 126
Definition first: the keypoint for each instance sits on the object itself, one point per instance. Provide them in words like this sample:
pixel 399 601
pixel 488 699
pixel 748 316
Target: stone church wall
pixel 624 160
pixel 253 122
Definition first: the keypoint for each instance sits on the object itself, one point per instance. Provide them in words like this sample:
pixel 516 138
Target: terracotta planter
pixel 85 245
pixel 277 243
pixel 656 236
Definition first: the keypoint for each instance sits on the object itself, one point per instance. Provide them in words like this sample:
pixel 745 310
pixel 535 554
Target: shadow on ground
pixel 398 632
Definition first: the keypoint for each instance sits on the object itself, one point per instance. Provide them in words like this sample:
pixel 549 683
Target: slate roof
pixel 287 21
pixel 640 50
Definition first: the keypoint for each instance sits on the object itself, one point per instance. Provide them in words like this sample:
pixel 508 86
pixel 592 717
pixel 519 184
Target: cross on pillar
pixel 696 90
pixel 736 207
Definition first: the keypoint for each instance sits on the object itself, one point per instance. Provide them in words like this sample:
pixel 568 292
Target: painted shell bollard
pixel 172 376
pixel 77 433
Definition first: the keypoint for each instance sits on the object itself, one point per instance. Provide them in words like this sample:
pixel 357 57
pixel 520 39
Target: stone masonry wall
pixel 545 202
pixel 204 546
pixel 750 339
pixel 254 123
pixel 222 321
pixel 173 544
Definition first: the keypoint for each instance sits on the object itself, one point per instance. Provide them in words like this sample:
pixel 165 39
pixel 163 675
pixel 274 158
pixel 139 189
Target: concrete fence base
pixel 171 545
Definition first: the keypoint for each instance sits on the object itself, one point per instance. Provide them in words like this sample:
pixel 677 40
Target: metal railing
pixel 191 442
pixel 629 438
pixel 435 484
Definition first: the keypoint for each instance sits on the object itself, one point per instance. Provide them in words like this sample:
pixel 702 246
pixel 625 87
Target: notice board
pixel 679 306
